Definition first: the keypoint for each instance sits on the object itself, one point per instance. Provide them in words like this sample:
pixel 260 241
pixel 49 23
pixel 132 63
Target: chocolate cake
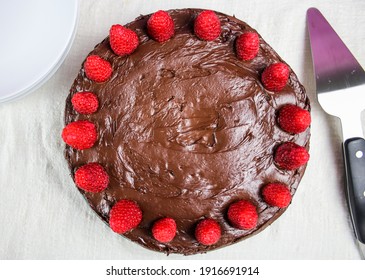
pixel 186 134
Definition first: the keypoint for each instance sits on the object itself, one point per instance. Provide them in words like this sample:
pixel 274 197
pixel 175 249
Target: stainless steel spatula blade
pixel 340 84
pixel 340 79
pixel 335 66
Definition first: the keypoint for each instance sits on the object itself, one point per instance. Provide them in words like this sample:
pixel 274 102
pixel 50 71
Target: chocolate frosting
pixel 185 129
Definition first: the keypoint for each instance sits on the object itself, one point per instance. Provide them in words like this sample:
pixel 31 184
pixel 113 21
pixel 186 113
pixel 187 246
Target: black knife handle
pixel 354 149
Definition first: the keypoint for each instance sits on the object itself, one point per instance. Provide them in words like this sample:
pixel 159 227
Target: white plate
pixel 36 36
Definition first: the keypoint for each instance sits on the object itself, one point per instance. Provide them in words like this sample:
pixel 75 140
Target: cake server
pixel 340 84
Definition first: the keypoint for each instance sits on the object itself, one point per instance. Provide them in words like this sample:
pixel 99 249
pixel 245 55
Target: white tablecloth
pixel 42 214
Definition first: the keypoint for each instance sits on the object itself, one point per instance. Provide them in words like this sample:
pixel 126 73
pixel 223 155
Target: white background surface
pixel 42 214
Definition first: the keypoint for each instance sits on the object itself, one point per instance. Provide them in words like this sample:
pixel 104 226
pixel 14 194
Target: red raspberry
pixel 208 232
pixel 290 156
pixel 80 135
pixel 275 76
pixel 85 102
pixel 164 230
pixel 123 41
pixel 293 119
pixel 207 26
pixel 247 45
pixel 97 69
pixel 277 194
pixel 242 214
pixel 161 26
pixel 91 178
pixel 125 216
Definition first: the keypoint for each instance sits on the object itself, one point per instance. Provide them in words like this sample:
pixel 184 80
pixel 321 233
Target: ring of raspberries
pixel 126 214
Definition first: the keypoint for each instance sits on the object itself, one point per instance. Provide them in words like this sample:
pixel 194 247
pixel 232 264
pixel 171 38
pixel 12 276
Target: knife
pixel 340 85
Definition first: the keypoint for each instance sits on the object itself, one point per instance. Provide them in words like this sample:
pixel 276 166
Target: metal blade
pixel 334 65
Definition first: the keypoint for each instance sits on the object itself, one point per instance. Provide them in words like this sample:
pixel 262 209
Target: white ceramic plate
pixel 36 36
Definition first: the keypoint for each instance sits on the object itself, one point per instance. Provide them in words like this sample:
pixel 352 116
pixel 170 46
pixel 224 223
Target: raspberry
pixel 97 69
pixel 290 156
pixel 208 232
pixel 91 178
pixel 207 26
pixel 123 41
pixel 125 216
pixel 275 76
pixel 164 230
pixel 85 102
pixel 242 214
pixel 161 26
pixel 247 45
pixel 80 135
pixel 293 119
pixel 276 194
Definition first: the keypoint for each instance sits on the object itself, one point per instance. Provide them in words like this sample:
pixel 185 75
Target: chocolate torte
pixel 184 133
